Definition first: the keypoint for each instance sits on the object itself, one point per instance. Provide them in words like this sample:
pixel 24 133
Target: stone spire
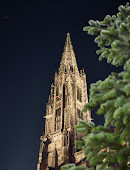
pixel 63 111
pixel 68 61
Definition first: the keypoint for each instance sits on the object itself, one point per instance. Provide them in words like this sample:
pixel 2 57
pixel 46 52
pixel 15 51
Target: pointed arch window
pixel 71 68
pixel 58 119
pixel 65 70
pixel 79 114
pixel 57 90
pixel 79 94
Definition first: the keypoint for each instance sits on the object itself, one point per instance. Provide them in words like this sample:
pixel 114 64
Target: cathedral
pixel 63 110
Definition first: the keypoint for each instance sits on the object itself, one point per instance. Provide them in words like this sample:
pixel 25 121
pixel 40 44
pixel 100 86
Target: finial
pixel 68 41
pixel 68 34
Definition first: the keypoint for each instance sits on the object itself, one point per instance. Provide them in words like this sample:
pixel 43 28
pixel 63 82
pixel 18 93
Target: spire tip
pixel 68 34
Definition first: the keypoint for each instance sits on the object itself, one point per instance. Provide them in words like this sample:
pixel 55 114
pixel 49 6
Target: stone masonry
pixel 63 110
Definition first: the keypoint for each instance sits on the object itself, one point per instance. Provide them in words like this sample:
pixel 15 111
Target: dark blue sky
pixel 32 37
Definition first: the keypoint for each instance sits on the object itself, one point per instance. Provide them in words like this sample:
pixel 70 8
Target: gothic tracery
pixel 67 98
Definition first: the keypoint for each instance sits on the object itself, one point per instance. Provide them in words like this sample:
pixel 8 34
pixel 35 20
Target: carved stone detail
pixel 66 100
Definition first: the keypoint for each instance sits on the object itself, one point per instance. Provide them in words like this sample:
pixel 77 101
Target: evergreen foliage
pixel 108 146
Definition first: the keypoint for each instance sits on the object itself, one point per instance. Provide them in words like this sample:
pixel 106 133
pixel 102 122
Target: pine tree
pixel 108 146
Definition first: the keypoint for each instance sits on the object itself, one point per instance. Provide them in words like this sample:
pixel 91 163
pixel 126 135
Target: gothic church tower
pixel 66 100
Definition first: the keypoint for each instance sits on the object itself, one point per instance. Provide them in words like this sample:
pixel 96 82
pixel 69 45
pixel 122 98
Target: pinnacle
pixel 68 34
pixel 68 40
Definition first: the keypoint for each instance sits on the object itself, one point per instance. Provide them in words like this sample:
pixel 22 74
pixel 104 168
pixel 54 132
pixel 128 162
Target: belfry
pixel 63 110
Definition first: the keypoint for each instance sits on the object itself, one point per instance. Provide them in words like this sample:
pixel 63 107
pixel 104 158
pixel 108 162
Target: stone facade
pixel 66 100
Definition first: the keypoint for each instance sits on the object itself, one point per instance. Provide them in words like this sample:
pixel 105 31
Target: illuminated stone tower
pixel 66 100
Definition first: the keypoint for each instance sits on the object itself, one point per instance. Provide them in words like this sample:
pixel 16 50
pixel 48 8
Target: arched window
pixel 58 112
pixel 65 70
pixel 58 119
pixel 79 94
pixel 67 137
pixel 57 90
pixel 71 68
pixel 79 114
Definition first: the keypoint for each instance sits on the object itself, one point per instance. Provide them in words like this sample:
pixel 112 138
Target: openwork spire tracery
pixel 64 108
pixel 68 61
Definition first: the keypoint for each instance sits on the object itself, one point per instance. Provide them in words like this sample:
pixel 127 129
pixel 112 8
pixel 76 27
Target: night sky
pixel 32 38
